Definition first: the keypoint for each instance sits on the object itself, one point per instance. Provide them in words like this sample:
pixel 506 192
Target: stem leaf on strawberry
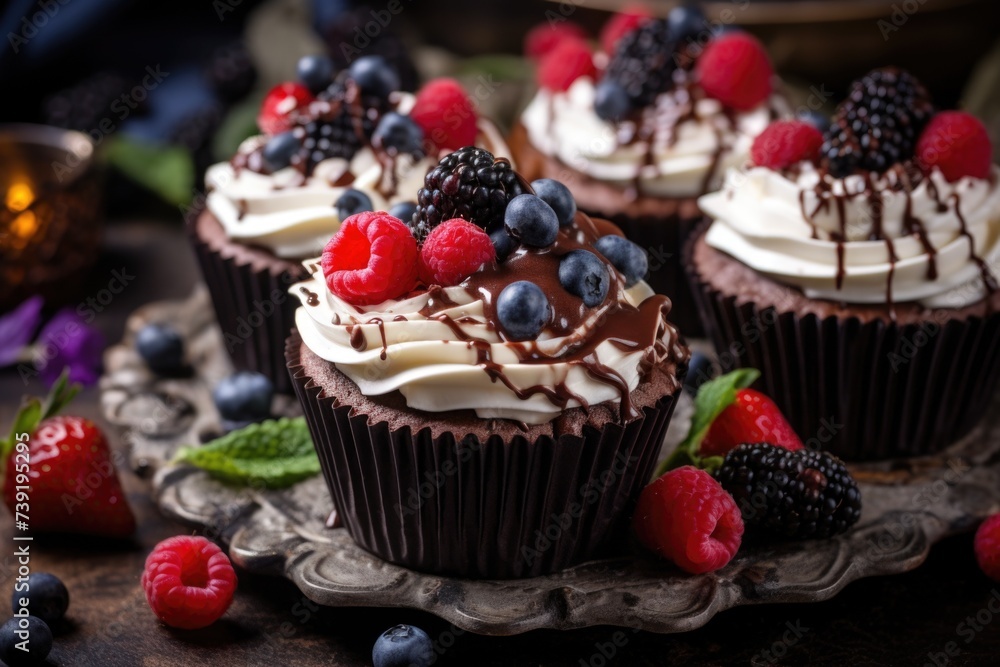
pixel 713 397
pixel 273 453
pixel 33 411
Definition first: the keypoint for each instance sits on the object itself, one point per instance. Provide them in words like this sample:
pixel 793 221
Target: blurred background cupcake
pixel 857 268
pixel 647 124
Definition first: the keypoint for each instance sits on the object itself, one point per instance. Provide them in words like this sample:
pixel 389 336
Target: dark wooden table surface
pixel 936 615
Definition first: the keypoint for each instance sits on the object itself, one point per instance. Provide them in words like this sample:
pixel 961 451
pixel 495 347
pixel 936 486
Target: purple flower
pixel 17 328
pixel 66 342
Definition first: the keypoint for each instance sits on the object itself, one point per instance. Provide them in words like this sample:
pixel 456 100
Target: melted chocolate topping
pixel 312 298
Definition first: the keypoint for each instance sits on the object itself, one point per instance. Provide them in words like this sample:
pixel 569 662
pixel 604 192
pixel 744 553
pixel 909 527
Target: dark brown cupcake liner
pixel 862 390
pixel 663 239
pixel 454 505
pixel 254 309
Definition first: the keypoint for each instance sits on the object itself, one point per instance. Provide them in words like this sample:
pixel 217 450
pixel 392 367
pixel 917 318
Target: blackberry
pixel 644 62
pixel 231 72
pixel 878 124
pixel 470 184
pixel 336 127
pixel 799 494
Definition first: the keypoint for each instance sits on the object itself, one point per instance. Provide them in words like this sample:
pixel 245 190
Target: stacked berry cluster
pixel 649 56
pixel 326 114
pixel 475 212
pixel 741 464
pixel 887 119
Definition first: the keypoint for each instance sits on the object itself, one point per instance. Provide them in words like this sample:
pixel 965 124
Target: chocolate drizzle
pixel 989 282
pixel 312 299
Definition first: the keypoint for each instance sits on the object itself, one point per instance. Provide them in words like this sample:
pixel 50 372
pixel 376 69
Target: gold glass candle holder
pixel 50 212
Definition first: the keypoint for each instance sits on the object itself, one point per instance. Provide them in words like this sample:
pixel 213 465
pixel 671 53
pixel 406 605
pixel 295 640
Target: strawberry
pixel 59 475
pixel 752 417
pixel 728 414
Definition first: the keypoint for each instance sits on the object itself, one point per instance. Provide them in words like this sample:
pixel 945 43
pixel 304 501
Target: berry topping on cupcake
pixel 565 63
pixel 280 105
pixel 878 124
pixel 545 37
pixel 622 24
pixel 956 143
pixel 470 184
pixel 785 143
pixel 453 251
pixel 735 70
pixel 372 258
pixel 446 115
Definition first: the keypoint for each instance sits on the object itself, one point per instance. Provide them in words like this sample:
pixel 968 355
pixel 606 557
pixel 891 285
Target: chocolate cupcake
pixel 859 274
pixel 332 146
pixel 485 406
pixel 654 125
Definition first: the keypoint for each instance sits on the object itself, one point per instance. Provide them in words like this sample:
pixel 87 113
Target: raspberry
pixel 544 37
pixel 189 582
pixel 878 124
pixel 446 114
pixel 622 24
pixel 956 143
pixel 453 251
pixel 784 143
pixel 567 62
pixel 685 516
pixel 735 70
pixel 987 546
pixel 371 258
pixel 275 114
pixel 797 494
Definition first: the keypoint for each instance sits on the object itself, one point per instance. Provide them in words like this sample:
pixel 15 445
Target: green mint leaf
pixel 274 454
pixel 168 171
pixel 713 397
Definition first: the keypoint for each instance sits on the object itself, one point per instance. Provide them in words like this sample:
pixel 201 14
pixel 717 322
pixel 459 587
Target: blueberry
pixel 583 274
pixel 45 596
pixel 627 257
pixel 558 196
pixel 531 221
pixel 818 120
pixel 611 102
pixel 685 22
pixel 396 133
pixel 523 310
pixel 403 646
pixel 404 210
pixel 161 347
pixel 244 396
pixel 36 633
pixel 700 371
pixel 279 149
pixel 374 75
pixel 315 72
pixel 503 243
pixel 352 201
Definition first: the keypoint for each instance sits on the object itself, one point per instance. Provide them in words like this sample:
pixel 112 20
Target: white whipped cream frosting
pixel 767 220
pixel 564 125
pixel 295 220
pixel 435 370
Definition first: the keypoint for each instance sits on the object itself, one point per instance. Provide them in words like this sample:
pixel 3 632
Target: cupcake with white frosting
pixel 488 389
pixel 856 267
pixel 640 131
pixel 333 144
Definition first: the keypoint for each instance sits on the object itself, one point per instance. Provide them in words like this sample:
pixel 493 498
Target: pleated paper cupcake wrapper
pixel 496 509
pixel 663 239
pixel 862 390
pixel 254 325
